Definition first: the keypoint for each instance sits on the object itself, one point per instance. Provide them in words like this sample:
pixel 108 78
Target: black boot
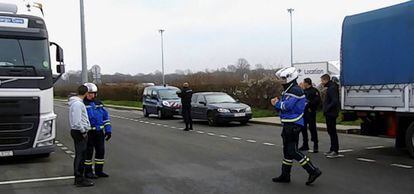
pixel 82 182
pixel 312 177
pixel 99 171
pixel 313 172
pixel 315 148
pixel 305 147
pixel 285 176
pixel 89 172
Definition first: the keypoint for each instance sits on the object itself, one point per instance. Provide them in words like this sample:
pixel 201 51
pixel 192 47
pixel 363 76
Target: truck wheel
pixel 409 139
pixel 145 111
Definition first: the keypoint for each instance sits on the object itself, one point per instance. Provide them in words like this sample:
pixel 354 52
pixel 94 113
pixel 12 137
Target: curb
pixel 344 131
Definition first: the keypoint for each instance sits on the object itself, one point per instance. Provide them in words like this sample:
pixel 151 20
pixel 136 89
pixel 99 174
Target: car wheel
pixel 211 119
pixel 409 139
pixel 160 114
pixel 244 122
pixel 145 111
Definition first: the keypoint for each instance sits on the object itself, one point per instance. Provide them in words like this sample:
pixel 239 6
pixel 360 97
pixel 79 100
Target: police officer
pixel 313 100
pixel 186 94
pixel 101 131
pixel 291 107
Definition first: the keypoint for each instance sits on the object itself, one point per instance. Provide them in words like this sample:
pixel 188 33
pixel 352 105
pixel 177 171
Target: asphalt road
pixel 147 155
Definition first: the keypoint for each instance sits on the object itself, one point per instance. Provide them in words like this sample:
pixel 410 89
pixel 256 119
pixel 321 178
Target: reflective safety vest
pixel 292 105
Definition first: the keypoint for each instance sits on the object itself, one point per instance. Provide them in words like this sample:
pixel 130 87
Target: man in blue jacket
pixel 101 131
pixel 291 107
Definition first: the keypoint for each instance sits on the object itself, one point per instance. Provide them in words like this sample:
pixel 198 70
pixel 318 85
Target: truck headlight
pixel 223 110
pixel 45 130
pixel 46 143
pixel 165 103
pixel 248 109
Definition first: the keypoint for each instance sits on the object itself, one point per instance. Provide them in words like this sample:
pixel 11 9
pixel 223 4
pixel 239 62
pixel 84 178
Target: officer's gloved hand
pixel 108 136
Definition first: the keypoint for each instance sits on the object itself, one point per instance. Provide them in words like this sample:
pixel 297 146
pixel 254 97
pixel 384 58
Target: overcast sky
pixel 122 35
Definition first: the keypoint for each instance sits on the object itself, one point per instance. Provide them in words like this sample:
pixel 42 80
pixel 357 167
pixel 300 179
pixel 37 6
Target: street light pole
pixel 290 10
pixel 161 31
pixel 83 44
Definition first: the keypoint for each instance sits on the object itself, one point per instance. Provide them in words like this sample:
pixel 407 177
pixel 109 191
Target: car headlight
pixel 45 130
pixel 223 110
pixel 248 109
pixel 165 103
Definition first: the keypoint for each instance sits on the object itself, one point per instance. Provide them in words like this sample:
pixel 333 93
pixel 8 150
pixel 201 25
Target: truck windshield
pixel 19 52
pixel 168 94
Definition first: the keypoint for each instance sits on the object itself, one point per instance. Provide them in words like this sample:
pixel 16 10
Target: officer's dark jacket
pixel 313 98
pixel 185 94
pixel 98 115
pixel 292 105
pixel 331 105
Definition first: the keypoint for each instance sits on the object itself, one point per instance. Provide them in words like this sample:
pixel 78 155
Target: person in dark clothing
pixel 331 106
pixel 313 99
pixel 79 124
pixel 186 94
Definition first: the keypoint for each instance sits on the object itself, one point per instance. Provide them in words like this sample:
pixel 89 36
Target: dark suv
pixel 161 100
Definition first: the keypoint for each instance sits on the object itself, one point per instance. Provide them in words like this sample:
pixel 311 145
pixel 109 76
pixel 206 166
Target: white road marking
pixel 212 134
pixel 346 150
pixel 365 160
pixel 64 148
pixel 268 144
pixel 59 145
pixel 159 124
pixel 36 180
pixel 236 138
pixel 223 136
pixel 201 132
pixel 173 127
pixel 402 166
pixel 56 141
pixel 166 126
pixel 374 147
pixel 251 141
pixel 73 156
pixel 69 152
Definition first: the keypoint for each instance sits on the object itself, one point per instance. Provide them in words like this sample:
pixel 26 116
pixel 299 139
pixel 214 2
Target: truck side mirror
pixel 59 52
pixel 60 68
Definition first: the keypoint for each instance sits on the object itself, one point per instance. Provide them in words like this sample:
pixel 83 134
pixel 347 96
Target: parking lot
pixel 147 155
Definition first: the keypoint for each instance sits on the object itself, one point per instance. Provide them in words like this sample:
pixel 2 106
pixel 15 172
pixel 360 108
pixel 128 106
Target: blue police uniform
pixel 291 107
pixel 101 128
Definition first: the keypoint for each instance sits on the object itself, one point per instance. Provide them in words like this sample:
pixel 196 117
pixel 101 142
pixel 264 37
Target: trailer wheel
pixel 409 139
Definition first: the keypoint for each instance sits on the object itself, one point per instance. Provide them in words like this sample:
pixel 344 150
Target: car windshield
pixel 168 94
pixel 20 53
pixel 219 98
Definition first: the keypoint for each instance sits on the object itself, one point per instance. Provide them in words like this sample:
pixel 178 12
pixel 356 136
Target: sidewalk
pixel 348 129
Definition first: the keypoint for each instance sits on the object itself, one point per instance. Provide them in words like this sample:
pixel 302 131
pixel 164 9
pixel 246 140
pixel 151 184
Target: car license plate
pixel 6 153
pixel 239 114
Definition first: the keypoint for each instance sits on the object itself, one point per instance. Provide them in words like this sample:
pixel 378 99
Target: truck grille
pixel 15 127
pixel 19 120
pixel 18 141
